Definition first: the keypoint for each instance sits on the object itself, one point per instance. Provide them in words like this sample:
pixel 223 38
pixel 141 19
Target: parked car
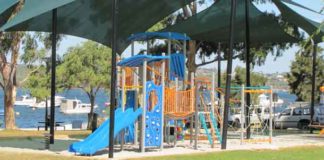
pixel 258 115
pixel 298 116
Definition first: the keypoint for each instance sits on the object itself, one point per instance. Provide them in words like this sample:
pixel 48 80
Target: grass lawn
pixel 297 153
pixel 23 134
pixel 33 156
pixel 35 139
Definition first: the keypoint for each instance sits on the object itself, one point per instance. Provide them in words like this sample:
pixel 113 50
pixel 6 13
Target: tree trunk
pixel 9 82
pixel 90 116
pixel 9 98
pixel 191 62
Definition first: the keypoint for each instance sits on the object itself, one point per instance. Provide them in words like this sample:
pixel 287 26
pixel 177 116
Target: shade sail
pixel 293 17
pixel 213 23
pixel 157 35
pixel 6 8
pixel 91 19
pixel 137 61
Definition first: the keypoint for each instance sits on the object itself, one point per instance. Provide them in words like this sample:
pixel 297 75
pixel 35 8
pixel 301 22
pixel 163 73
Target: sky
pixel 280 65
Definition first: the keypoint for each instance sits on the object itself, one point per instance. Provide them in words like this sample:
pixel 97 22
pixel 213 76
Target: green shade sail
pixel 91 19
pixel 6 8
pixel 293 17
pixel 212 24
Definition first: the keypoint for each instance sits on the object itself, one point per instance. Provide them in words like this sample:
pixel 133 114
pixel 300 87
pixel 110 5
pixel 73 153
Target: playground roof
pixel 158 35
pixel 137 61
pixel 293 17
pixel 6 8
pixel 92 19
pixel 212 24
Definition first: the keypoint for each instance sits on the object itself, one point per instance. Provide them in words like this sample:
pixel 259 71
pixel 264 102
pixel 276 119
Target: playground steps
pixel 214 128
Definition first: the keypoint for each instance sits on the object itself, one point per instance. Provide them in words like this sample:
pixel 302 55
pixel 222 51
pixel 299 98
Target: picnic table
pixel 57 124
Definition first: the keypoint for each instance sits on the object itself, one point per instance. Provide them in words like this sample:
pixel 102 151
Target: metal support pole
pixel 46 99
pixel 185 55
pixel 248 63
pixel 222 111
pixel 163 100
pixel 123 98
pixel 113 77
pixel 229 74
pixel 53 74
pixel 132 49
pixel 242 114
pixel 313 85
pixel 213 94
pixel 197 126
pixel 192 105
pixel 46 114
pixel 176 106
pixel 144 105
pixel 219 71
pixel 135 82
pixel 169 54
pixel 271 116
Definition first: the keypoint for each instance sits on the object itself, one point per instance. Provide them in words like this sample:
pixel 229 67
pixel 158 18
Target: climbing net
pixel 260 119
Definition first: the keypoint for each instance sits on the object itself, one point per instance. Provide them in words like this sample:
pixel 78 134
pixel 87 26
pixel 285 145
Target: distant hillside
pixel 276 80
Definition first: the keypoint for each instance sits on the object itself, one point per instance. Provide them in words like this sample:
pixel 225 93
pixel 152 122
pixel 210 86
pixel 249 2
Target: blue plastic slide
pixel 99 139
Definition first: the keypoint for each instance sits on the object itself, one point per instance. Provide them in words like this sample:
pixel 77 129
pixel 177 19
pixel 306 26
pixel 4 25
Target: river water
pixel 28 118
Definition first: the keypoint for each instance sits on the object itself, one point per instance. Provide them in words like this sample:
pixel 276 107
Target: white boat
pixel 74 106
pixel 264 101
pixel 25 100
pixel 1 112
pixel 42 104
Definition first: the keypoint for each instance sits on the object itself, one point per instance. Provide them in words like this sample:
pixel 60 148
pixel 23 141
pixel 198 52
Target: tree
pixel 85 66
pixel 36 57
pixel 300 76
pixel 257 79
pixel 9 53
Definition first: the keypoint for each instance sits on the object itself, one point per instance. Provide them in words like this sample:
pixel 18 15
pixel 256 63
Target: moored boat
pixel 25 100
pixel 74 106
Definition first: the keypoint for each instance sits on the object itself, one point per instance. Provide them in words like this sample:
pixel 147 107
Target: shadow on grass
pixel 35 143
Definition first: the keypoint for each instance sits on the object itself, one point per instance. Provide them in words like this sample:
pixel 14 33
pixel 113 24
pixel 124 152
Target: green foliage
pixel 36 49
pixel 86 66
pixel 39 83
pixel 300 76
pixel 257 79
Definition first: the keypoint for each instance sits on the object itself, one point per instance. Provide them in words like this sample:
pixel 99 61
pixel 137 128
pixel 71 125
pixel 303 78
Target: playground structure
pixel 156 103
pixel 261 120
pixel 149 88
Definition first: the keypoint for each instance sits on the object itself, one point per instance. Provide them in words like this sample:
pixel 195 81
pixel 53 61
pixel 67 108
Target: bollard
pixel 47 141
